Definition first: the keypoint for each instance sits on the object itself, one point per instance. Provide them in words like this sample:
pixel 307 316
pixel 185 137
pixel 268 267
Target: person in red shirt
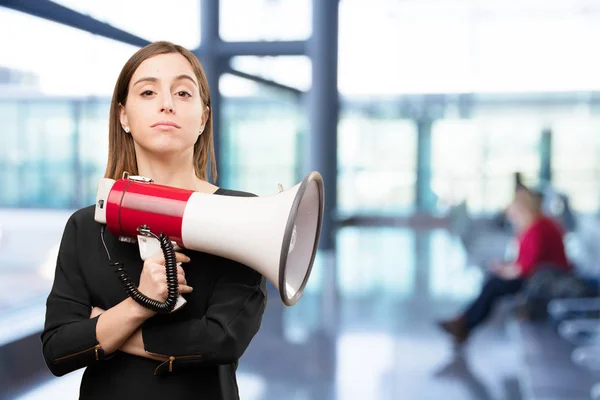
pixel 540 243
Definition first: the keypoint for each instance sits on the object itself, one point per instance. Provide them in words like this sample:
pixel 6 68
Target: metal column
pixel 213 67
pixel 323 107
pixel 424 195
pixel 546 156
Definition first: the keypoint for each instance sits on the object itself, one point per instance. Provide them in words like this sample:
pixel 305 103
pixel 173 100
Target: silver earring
pixel 126 129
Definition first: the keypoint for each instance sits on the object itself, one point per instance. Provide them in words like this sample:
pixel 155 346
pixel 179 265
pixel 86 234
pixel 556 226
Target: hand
pixel 508 271
pixel 153 280
pixel 134 345
pixel 95 312
pixel 495 265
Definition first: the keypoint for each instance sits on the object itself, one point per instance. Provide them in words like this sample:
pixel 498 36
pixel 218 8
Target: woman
pixel 160 127
pixel 540 243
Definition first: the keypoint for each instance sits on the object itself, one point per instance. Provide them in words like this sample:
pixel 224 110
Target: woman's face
pixel 515 213
pixel 163 111
pixel 520 211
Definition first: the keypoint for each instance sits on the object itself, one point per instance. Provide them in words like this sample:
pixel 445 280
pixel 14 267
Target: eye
pixel 183 93
pixel 147 93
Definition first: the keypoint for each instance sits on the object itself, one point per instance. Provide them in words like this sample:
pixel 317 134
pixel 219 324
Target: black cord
pixel 171 270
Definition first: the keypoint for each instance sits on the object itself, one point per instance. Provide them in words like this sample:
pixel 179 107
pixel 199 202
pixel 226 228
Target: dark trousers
pixel 494 289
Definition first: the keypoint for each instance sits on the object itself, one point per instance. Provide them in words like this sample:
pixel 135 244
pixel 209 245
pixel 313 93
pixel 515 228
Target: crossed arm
pixel 76 335
pixel 133 345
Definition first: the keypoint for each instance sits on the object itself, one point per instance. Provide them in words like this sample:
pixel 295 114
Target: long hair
pixel 121 150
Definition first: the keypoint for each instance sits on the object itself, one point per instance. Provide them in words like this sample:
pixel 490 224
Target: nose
pixel 167 104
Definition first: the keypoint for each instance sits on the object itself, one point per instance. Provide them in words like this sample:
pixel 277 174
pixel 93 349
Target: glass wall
pixel 83 65
pixel 475 159
pixel 255 20
pixel 492 46
pixel 377 158
pixel 52 152
pixel 390 274
pixel 150 21
pixel 262 137
pixel 576 160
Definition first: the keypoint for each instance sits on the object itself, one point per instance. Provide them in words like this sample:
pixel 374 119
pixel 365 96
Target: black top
pixel 207 336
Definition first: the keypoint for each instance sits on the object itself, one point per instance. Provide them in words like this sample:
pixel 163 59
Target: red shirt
pixel 541 243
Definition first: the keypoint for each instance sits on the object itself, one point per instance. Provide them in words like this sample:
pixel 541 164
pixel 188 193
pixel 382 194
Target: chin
pixel 165 148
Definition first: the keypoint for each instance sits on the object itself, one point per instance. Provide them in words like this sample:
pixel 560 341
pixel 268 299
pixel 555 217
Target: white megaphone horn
pixel 276 235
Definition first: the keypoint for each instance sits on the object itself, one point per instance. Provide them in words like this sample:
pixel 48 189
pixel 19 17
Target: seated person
pixel 540 242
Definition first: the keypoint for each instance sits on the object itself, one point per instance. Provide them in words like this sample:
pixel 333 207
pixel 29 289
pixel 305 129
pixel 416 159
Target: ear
pixel 123 116
pixel 205 115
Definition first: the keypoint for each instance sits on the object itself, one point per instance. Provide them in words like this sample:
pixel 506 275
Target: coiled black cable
pixel 171 271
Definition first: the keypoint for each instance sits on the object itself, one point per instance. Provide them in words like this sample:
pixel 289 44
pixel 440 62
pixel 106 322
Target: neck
pixel 175 171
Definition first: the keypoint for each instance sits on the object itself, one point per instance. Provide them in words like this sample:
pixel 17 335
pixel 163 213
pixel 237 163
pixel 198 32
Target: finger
pixel 160 259
pixel 180 257
pixel 158 274
pixel 181 280
pixel 95 312
pixel 153 266
pixel 157 258
pixel 185 289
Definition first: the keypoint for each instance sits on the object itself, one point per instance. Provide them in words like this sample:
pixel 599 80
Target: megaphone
pixel 276 235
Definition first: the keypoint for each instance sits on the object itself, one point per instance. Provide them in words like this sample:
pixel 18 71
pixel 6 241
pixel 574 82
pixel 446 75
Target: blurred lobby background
pixel 417 113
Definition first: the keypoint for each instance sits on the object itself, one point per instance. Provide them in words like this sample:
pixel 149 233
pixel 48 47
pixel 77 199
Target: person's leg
pixel 492 291
pixel 461 326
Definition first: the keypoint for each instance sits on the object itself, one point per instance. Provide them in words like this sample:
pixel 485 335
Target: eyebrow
pixel 153 79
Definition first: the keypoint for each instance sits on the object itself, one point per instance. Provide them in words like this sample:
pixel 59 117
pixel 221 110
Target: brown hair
pixel 121 151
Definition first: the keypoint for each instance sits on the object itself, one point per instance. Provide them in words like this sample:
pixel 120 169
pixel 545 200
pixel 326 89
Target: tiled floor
pixel 373 335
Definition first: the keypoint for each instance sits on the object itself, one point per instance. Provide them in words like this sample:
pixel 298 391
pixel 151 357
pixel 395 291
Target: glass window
pixel 365 267
pixel 41 156
pixel 576 161
pixel 417 39
pixel 262 138
pixel 48 155
pixel 93 146
pixel 483 46
pixel 476 159
pixel 449 275
pixel 11 157
pixel 178 22
pixel 293 71
pixel 52 152
pixel 456 161
pixel 84 65
pixel 270 20
pixel 55 107
pixel 376 165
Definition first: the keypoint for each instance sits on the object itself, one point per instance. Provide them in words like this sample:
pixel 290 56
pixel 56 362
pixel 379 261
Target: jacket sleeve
pixel 232 319
pixel 69 335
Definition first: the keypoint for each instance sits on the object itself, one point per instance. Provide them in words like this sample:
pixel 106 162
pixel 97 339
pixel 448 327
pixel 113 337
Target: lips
pixel 165 123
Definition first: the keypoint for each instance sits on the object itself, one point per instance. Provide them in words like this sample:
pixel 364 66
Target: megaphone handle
pixel 149 246
pixel 173 302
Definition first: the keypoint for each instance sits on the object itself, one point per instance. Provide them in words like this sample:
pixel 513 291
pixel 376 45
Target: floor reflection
pixel 458 369
pixel 365 330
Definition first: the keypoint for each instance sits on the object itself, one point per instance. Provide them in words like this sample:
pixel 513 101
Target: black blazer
pixel 204 339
